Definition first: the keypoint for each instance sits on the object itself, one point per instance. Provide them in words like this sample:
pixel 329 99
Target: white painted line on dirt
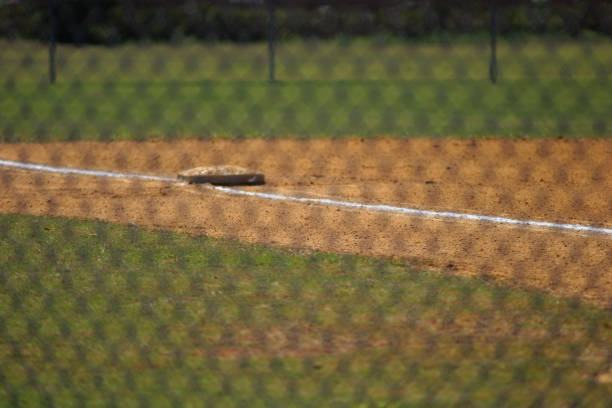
pixel 82 172
pixel 326 201
pixel 420 213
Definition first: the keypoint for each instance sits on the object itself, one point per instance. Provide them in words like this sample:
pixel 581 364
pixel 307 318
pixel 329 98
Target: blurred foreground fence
pixel 126 288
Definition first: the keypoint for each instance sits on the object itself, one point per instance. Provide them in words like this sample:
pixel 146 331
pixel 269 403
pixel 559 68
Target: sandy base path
pixel 547 180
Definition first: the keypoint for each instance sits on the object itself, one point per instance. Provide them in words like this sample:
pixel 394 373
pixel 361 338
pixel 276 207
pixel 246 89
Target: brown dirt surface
pixel 543 180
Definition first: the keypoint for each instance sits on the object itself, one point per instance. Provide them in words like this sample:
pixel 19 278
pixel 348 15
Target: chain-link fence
pixel 435 226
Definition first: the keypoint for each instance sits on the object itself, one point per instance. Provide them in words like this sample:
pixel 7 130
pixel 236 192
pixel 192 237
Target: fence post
pixel 493 33
pixel 52 24
pixel 271 39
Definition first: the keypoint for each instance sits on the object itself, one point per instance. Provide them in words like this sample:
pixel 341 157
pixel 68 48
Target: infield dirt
pixel 544 180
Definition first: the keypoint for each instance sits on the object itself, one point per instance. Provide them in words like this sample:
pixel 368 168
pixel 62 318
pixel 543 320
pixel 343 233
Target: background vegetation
pixel 117 21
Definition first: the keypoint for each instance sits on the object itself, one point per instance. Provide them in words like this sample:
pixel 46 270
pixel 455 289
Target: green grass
pixel 325 88
pixel 105 314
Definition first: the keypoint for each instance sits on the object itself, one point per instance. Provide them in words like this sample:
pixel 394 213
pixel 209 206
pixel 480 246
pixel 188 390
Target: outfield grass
pixel 328 88
pixel 106 314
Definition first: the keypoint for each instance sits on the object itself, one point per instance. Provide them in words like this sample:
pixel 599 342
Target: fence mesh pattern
pixel 435 227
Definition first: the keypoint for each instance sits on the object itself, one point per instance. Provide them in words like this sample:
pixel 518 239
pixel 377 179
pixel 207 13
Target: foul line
pixel 326 201
pixel 81 172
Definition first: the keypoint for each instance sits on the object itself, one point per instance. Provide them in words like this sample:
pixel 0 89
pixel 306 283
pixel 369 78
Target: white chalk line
pixel 81 172
pixel 325 201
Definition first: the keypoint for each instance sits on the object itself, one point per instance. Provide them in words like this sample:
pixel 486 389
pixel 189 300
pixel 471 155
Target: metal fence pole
pixel 271 39
pixel 52 40
pixel 493 32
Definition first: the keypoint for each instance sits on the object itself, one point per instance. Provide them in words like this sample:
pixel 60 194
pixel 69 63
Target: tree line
pixel 117 21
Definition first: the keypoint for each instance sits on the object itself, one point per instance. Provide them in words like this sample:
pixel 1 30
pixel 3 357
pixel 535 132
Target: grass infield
pixel 111 314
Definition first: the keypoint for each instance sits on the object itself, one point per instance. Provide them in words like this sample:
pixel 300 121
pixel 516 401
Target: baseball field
pixel 547 87
pixel 372 269
pixel 359 303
